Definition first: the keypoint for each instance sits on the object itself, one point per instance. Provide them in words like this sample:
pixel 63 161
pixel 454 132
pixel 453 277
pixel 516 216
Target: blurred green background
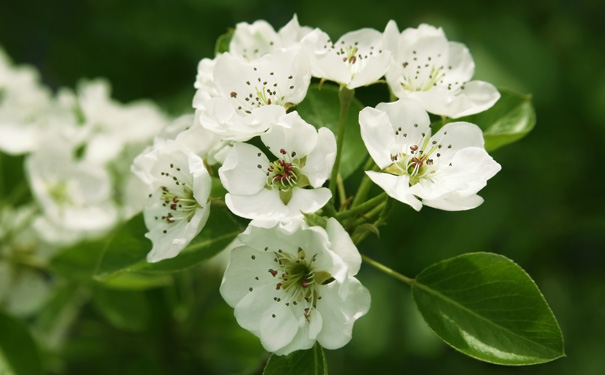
pixel 544 209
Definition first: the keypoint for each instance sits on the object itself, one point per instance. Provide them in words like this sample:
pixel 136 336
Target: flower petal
pixel 321 159
pixel 397 187
pixel 240 173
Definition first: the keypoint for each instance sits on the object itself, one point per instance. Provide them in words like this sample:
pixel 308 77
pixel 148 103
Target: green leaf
pixel 487 307
pixel 137 281
pixel 18 351
pixel 128 249
pixel 126 310
pixel 510 119
pixel 78 262
pixel 302 362
pixel 223 41
pixel 321 108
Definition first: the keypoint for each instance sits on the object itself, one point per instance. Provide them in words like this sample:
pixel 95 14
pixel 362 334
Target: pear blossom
pixel 28 111
pixel 358 58
pixel 255 40
pixel 436 72
pixel 75 196
pixel 177 207
pixel 293 285
pixel 443 171
pixel 280 189
pixel 112 126
pixel 252 94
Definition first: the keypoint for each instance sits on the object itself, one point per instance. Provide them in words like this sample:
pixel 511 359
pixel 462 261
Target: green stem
pixel 370 203
pixel 388 271
pixel 366 184
pixel 368 215
pixel 345 97
pixel 342 195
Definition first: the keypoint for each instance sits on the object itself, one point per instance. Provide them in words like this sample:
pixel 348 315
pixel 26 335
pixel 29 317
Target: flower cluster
pixel 77 148
pixel 248 145
pixel 292 282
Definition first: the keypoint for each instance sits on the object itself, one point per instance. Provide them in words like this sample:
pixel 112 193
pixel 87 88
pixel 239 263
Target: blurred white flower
pixel 177 207
pixel 252 94
pixel 445 170
pixel 358 58
pixel 437 73
pixel 280 189
pixel 111 126
pixel 28 111
pixel 292 285
pixel 75 196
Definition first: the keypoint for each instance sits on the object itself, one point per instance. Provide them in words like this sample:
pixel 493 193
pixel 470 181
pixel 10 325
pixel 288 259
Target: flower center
pixel 283 174
pixel 181 204
pixel 59 192
pixel 178 199
pixel 298 277
pixel 424 73
pixel 416 162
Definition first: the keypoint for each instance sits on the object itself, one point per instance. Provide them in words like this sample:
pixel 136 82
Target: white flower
pixel 437 73
pixel 358 58
pixel 445 170
pixel 292 285
pixel 75 195
pixel 177 207
pixel 252 94
pixel 255 40
pixel 112 126
pixel 28 112
pixel 280 189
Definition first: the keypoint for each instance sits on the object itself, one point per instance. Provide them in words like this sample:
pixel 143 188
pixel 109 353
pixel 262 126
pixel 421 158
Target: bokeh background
pixel 544 209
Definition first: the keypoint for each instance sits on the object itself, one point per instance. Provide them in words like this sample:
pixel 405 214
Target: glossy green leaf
pixel 128 249
pixel 487 307
pixel 18 351
pixel 301 362
pixel 127 310
pixel 510 119
pixel 321 108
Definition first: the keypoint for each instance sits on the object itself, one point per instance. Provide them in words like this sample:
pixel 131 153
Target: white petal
pixel 453 202
pixel 307 201
pixel 321 159
pixel 397 187
pixel 246 270
pixel 343 246
pixel 372 71
pixel 306 335
pixel 378 135
pixel 202 182
pixel 409 115
pixel 240 173
pixel 273 236
pixel 476 97
pixel 278 328
pixel 264 205
pixel 292 134
pixel 339 313
pixel 254 306
pixel 252 41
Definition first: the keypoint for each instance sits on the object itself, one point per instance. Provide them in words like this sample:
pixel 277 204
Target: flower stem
pixel 370 214
pixel 342 195
pixel 388 271
pixel 370 203
pixel 345 97
pixel 366 184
